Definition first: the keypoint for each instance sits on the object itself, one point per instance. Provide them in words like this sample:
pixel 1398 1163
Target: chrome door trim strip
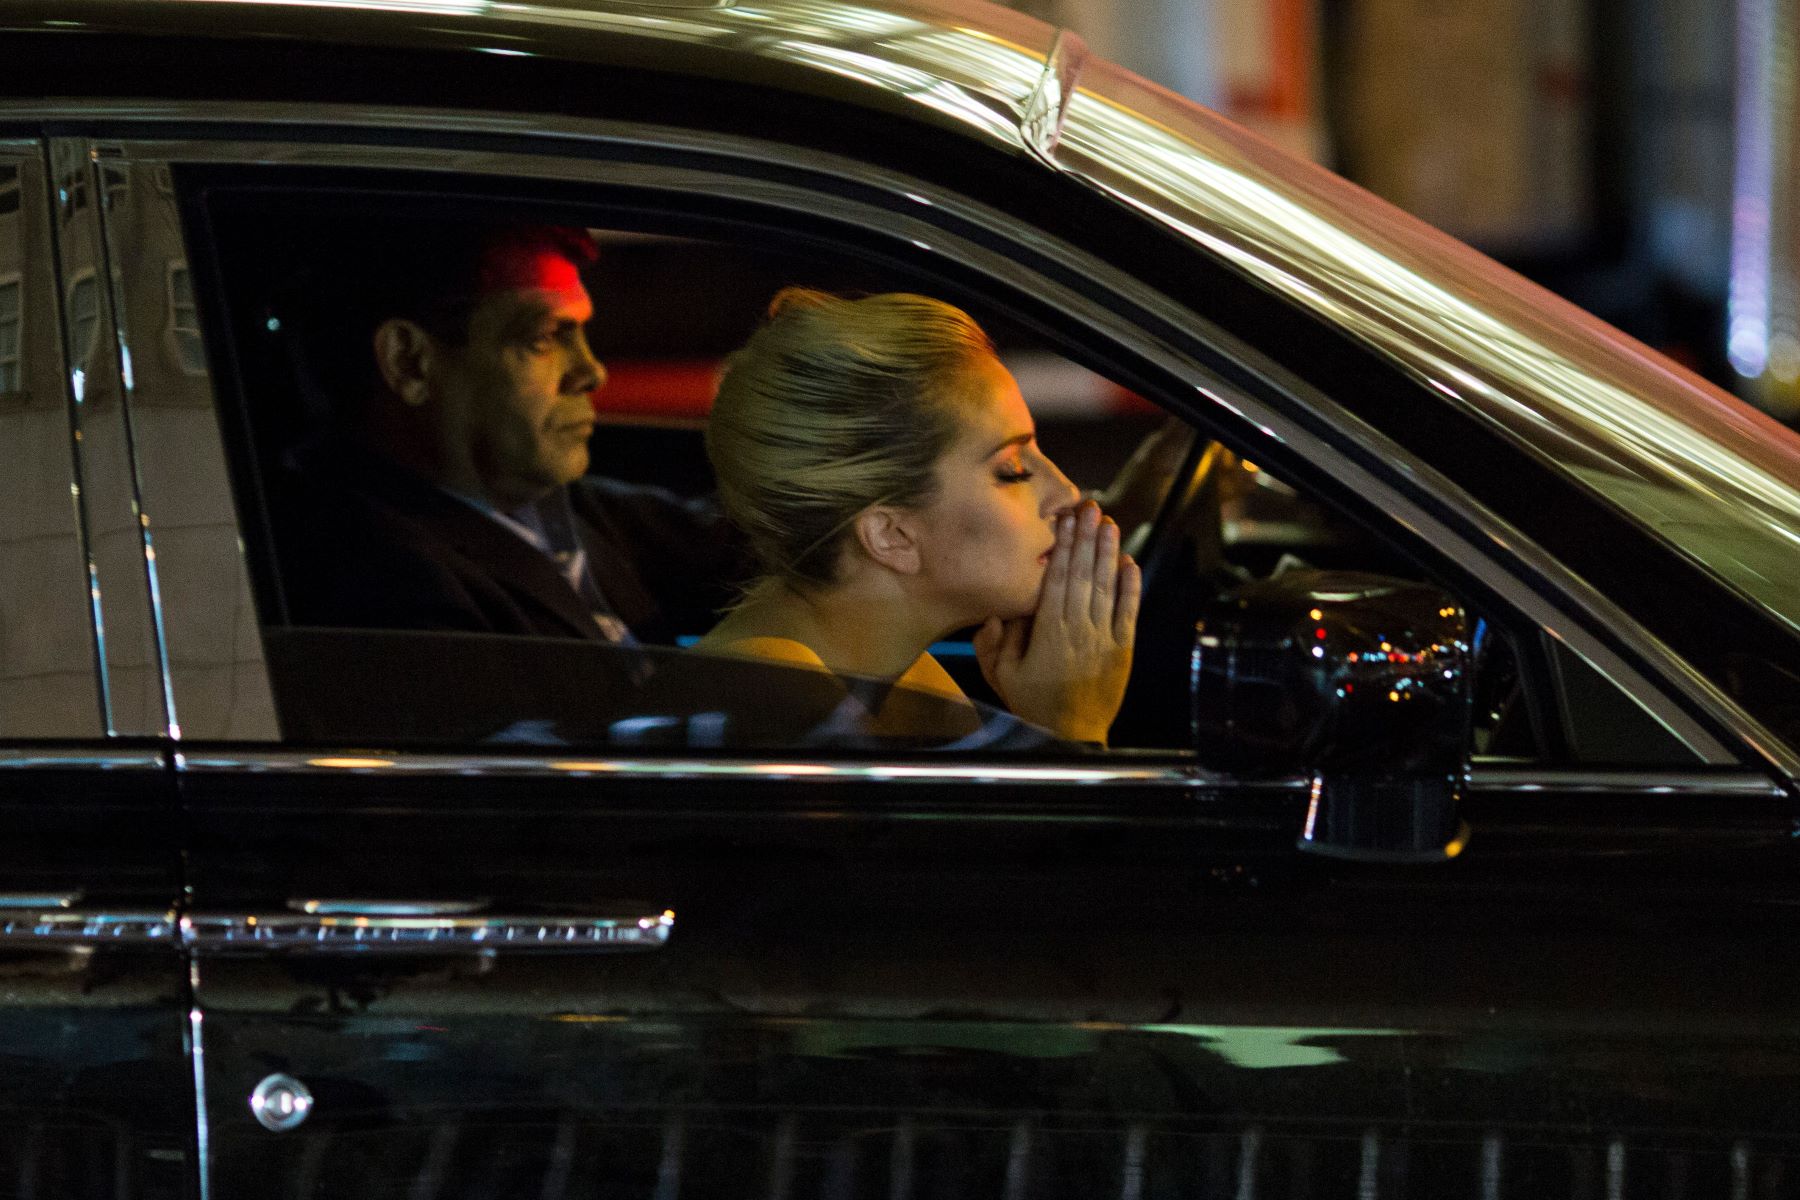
pixel 642 928
pixel 635 927
pixel 363 762
pixel 388 908
pixel 40 901
pixel 100 161
pixel 197 1056
pixel 109 498
pixel 1495 534
pixel 49 758
pixel 1524 780
pixel 81 929
pixel 1484 778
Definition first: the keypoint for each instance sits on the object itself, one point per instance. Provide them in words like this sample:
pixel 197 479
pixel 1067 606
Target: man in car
pixel 450 492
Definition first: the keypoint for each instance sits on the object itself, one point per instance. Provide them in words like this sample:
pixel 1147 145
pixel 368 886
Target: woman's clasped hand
pixel 1065 665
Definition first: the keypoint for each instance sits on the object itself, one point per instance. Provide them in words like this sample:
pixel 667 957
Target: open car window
pixel 1265 609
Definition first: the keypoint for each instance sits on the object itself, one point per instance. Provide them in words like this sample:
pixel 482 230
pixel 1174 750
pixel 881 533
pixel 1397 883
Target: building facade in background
pixel 1633 155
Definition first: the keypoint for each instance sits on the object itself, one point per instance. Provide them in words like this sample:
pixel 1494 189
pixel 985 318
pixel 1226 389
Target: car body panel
pixel 959 983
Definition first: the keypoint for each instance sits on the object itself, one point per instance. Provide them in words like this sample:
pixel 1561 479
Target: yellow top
pixel 925 675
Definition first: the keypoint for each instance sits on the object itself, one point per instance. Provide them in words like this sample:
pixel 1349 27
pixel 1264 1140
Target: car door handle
pixel 337 926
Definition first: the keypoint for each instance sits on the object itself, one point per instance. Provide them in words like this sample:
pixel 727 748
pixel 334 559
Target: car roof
pixel 968 64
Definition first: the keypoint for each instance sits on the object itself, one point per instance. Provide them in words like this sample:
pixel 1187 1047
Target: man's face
pixel 517 395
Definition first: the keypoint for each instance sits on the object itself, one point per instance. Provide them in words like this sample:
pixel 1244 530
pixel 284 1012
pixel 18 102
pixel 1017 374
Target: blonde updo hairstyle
pixel 833 406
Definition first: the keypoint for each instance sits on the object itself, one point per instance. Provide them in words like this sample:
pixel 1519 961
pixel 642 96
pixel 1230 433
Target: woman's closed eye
pixel 1013 473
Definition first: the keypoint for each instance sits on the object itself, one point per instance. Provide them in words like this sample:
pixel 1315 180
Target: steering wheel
pixel 1168 500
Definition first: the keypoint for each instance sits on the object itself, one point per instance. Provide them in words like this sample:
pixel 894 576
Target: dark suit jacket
pixel 362 543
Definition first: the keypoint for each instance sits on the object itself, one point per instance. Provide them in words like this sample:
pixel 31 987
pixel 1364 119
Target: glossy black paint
pixel 870 980
pixel 882 986
pixel 95 1085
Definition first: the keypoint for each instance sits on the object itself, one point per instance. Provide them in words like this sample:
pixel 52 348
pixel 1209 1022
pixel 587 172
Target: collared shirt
pixel 549 528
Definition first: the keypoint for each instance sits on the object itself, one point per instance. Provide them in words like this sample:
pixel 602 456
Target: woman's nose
pixel 1060 494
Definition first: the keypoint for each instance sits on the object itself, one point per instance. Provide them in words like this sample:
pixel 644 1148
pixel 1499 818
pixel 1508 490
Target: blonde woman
pixel 886 472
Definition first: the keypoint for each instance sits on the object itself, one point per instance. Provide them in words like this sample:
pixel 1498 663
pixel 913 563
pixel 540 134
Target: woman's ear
pixel 889 536
pixel 403 354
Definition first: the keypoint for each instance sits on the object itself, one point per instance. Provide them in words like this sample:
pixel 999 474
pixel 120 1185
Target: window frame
pixel 599 170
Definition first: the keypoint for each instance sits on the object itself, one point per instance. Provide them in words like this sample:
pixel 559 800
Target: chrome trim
pixel 1507 780
pixel 1497 538
pixel 103 164
pixel 1041 123
pixel 915 771
pixel 65 927
pixel 280 1103
pixel 40 900
pixel 387 908
pixel 106 484
pixel 642 928
pixel 45 758
pixel 197 1057
pixel 1485 778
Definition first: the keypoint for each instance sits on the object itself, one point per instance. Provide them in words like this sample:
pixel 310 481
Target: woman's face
pixel 986 535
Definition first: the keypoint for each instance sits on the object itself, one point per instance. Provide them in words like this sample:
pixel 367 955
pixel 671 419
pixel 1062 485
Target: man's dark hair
pixel 433 272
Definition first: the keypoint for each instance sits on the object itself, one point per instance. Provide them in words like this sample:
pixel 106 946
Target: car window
pixel 48 681
pixel 1265 609
pixel 667 311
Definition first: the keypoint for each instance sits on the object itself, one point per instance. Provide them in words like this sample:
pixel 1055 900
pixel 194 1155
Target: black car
pixel 1444 846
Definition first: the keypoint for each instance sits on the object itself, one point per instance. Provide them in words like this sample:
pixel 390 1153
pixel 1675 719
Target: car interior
pixel 671 301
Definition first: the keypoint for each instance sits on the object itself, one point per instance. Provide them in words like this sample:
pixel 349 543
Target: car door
pixel 97 1090
pixel 472 969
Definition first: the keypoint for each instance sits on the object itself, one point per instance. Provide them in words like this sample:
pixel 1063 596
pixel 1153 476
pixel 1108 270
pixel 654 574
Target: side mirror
pixel 1362 680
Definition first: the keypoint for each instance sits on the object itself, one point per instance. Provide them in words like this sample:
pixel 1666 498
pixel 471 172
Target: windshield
pixel 1712 476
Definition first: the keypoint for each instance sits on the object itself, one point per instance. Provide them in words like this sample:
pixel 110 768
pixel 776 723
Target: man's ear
pixel 403 355
pixel 890 536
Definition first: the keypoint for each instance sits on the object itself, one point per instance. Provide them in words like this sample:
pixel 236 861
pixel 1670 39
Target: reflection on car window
pixel 414 688
pixel 11 314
